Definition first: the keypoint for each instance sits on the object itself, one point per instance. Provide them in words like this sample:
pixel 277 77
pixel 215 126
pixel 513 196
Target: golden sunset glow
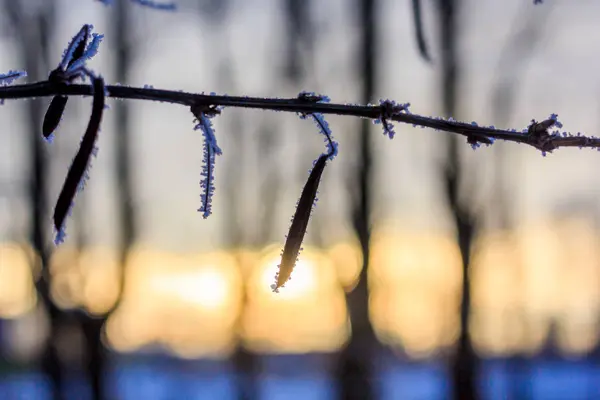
pixel 88 279
pixel 525 283
pixel 205 288
pixel 415 290
pixel 497 296
pixel 186 303
pixel 348 261
pixel 17 293
pixel 304 279
pixel 308 313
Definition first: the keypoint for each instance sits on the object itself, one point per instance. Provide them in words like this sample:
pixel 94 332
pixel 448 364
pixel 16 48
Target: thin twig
pixel 420 31
pixel 543 142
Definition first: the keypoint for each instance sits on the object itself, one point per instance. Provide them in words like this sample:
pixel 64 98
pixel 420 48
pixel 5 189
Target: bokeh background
pixel 430 271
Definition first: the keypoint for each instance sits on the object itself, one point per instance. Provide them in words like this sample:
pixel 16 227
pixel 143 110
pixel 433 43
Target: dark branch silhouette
pixel 539 137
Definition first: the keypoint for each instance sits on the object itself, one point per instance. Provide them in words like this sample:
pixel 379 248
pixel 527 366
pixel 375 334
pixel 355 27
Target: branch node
pixel 538 134
pixel 389 108
pixel 209 110
pixel 312 97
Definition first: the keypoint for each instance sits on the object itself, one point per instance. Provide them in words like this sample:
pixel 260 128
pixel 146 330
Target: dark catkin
pixel 80 162
pixel 297 230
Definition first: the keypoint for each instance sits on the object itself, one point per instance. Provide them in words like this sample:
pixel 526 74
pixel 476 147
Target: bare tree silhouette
pixel 464 361
pixel 93 325
pixel 34 30
pixel 355 369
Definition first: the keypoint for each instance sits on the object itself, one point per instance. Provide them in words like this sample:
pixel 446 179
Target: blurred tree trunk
pixel 463 362
pixel 93 326
pixel 355 368
pixel 235 236
pixel 297 16
pixel 51 362
pixel 34 30
pixel 299 37
pixel 244 361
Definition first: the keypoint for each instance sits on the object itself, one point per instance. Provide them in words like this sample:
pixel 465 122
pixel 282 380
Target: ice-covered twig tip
pixel 211 149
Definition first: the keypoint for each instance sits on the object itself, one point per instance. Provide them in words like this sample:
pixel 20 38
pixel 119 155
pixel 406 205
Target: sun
pixel 302 282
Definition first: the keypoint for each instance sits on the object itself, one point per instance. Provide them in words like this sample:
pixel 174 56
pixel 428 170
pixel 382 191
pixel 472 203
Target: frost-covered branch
pixel 544 141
